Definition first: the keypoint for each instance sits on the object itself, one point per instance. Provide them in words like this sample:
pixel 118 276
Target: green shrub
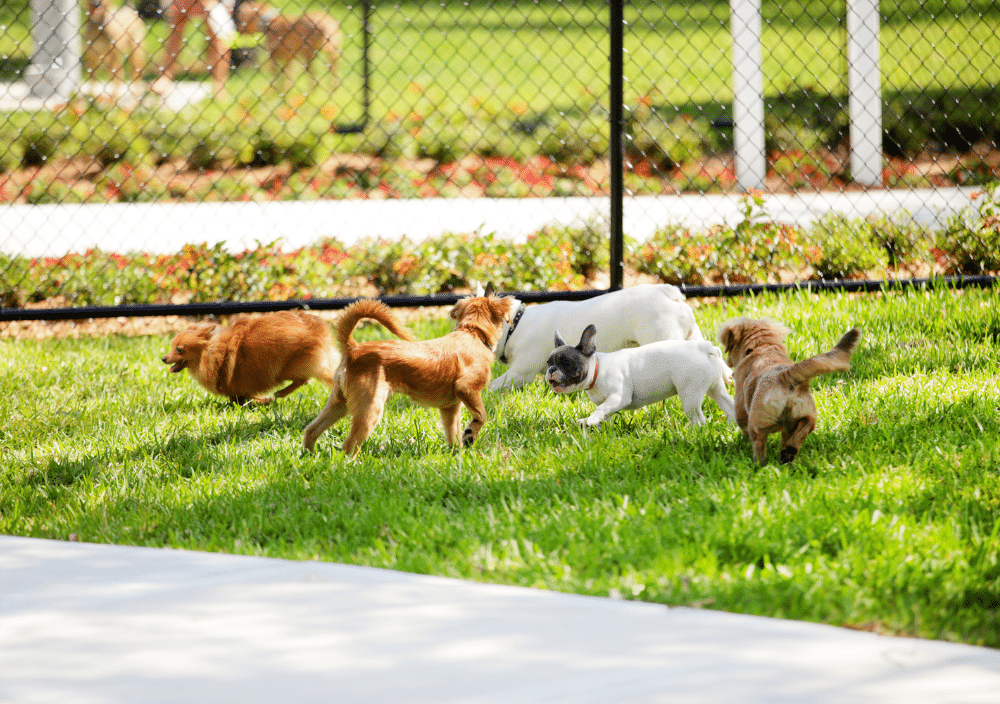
pixel 391 266
pixel 677 255
pixel 668 141
pixel 845 248
pixel 906 242
pixel 37 146
pixel 970 240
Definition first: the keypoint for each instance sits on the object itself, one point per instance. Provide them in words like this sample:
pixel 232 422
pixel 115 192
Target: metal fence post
pixel 54 72
pixel 616 143
pixel 864 82
pixel 748 93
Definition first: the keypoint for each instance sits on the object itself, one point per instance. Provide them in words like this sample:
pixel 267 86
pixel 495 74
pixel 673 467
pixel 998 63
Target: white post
pixel 748 93
pixel 864 81
pixel 54 72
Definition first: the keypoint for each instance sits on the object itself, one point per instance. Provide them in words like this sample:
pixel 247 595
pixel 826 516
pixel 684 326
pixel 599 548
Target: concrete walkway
pixel 53 230
pixel 99 624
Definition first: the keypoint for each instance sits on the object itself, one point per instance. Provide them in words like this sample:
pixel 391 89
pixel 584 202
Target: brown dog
pixel 114 36
pixel 312 34
pixel 255 354
pixel 445 373
pixel 772 392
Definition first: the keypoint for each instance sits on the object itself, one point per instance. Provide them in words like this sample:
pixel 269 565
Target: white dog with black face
pixel 627 318
pixel 636 377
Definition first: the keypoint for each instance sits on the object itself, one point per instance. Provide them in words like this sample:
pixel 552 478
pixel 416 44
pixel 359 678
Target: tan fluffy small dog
pixel 113 37
pixel 445 373
pixel 254 354
pixel 772 392
pixel 305 37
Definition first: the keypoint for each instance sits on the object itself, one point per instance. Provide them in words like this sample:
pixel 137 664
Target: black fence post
pixel 617 127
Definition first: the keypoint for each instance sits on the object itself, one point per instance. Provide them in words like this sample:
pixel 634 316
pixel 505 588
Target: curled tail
pixel 836 360
pixel 718 358
pixel 368 308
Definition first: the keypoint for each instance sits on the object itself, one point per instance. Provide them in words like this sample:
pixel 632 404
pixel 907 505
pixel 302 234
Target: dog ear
pixel 206 329
pixel 587 345
pixel 559 341
pixel 728 335
pixel 489 290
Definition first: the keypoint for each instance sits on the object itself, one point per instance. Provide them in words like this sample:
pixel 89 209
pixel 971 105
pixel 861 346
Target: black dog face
pixel 567 366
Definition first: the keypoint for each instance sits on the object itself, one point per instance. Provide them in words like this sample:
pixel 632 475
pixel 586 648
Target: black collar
pixel 510 331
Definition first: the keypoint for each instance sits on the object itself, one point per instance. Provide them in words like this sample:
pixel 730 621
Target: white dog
pixel 637 377
pixel 627 318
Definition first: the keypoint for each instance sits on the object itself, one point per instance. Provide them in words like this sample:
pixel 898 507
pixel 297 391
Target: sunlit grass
pixel 888 519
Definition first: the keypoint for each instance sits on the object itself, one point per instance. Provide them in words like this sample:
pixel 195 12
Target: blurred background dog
pixel 114 36
pixel 312 35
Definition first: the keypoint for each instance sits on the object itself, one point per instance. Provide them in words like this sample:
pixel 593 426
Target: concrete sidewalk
pixel 163 228
pixel 98 624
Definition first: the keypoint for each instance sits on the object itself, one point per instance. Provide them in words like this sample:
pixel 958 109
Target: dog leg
pixel 366 412
pixel 474 402
pixel 290 388
pixel 792 439
pixel 692 409
pixel 759 441
pixel 334 410
pixel 721 396
pixel 451 421
pixel 612 404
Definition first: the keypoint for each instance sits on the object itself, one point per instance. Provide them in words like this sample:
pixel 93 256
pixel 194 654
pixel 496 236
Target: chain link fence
pixel 180 152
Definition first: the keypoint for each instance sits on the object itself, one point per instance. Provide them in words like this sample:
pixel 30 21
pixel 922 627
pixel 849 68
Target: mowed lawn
pixel 887 520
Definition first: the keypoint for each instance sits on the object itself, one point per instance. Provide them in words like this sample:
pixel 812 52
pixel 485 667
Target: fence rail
pixel 640 103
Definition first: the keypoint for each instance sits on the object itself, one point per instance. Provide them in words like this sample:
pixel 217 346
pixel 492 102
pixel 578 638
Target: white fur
pixel 637 377
pixel 626 318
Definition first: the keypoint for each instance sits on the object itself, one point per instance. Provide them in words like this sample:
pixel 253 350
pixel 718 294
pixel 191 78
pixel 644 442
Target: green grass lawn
pixel 887 520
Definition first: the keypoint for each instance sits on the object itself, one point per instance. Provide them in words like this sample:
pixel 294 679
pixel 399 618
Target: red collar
pixel 597 366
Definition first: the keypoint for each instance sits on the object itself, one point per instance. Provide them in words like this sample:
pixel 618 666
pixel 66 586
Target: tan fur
pixel 254 354
pixel 305 37
pixel 445 373
pixel 114 36
pixel 772 392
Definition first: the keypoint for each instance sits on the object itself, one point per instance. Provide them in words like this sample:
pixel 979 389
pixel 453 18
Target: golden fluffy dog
pixel 306 37
pixel 254 354
pixel 445 373
pixel 772 392
pixel 114 36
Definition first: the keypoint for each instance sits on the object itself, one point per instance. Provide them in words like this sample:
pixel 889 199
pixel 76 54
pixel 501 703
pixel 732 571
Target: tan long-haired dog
pixel 114 36
pixel 305 37
pixel 772 392
pixel 445 373
pixel 255 354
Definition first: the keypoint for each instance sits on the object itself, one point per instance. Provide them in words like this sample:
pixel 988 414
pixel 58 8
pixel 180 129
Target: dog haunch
pixel 772 391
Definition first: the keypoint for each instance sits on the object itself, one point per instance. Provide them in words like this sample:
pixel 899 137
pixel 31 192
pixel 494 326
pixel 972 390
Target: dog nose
pixel 164 359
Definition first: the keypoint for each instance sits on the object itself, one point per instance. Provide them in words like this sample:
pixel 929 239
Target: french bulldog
pixel 627 318
pixel 636 377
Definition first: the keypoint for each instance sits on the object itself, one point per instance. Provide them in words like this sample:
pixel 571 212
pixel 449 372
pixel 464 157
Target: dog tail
pixel 715 354
pixel 836 360
pixel 368 308
pixel 672 292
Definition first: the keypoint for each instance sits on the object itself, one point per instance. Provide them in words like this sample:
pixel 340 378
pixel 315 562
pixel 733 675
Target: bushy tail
pixel 368 308
pixel 836 360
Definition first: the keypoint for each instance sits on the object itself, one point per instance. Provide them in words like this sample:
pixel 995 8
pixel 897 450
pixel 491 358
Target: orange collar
pixel 597 366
